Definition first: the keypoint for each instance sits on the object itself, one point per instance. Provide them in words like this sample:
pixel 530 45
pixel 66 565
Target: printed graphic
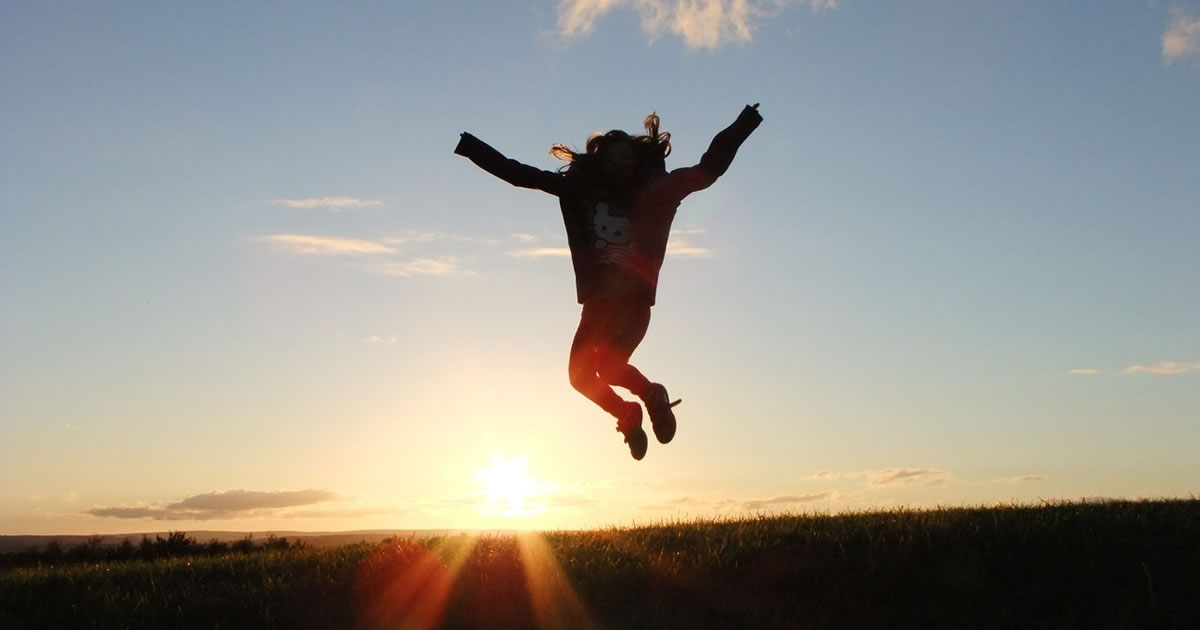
pixel 609 229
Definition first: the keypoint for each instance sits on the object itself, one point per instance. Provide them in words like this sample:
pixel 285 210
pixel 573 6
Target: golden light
pixel 403 584
pixel 555 602
pixel 510 490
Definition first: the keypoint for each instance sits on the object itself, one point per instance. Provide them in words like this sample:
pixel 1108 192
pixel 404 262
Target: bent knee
pixel 611 371
pixel 582 377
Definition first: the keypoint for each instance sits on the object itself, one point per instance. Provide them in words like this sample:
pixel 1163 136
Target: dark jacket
pixel 621 236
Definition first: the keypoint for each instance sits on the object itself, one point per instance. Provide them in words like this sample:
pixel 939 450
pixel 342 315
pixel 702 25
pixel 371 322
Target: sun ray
pixel 556 605
pixel 406 585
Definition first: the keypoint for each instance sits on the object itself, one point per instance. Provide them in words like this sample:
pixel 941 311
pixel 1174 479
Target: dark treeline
pixel 175 545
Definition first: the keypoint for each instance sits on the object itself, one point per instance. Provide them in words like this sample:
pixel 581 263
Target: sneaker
pixel 630 425
pixel 659 404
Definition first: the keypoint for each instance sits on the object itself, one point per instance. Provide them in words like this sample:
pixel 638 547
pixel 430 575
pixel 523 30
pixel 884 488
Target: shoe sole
pixel 664 428
pixel 643 443
pixel 636 437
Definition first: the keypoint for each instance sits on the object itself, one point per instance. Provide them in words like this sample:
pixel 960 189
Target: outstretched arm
pixel 508 169
pixel 716 160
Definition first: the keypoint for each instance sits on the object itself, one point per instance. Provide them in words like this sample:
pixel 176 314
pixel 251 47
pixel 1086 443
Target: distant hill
pixel 11 544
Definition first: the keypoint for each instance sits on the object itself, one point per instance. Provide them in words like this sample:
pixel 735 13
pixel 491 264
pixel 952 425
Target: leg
pixel 626 328
pixel 585 358
pixel 586 352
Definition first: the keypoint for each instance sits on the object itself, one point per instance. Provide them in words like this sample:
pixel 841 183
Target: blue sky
pixel 247 285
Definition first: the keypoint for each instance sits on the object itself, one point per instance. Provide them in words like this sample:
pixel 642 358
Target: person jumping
pixel 618 202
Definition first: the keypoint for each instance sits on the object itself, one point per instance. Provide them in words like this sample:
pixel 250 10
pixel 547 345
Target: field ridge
pixel 1127 564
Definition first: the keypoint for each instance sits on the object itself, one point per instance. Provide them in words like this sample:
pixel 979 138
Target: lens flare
pixel 406 585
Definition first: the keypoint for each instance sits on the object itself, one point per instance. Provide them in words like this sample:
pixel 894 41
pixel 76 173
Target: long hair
pixel 651 150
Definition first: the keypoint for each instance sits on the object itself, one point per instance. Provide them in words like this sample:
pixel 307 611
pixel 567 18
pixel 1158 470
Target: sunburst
pixel 509 490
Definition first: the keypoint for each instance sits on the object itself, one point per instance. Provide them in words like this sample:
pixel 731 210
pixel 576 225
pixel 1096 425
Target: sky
pixel 246 284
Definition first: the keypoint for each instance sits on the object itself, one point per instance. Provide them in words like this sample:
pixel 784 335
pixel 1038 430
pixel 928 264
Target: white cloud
pixel 682 249
pixel 710 23
pixel 1182 37
pixel 378 262
pixel 445 266
pixel 326 245
pixel 337 204
pixel 1084 371
pixel 541 252
pixel 407 237
pixel 1164 368
pixel 905 476
pixel 700 23
pixel 525 238
pixel 679 247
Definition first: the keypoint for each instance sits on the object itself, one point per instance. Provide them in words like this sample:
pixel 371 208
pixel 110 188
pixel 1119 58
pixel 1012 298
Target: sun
pixel 508 488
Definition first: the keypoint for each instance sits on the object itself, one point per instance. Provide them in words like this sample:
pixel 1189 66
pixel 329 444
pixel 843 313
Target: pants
pixel 609 331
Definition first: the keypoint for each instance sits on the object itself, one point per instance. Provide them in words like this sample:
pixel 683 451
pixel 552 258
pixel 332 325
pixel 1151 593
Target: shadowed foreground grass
pixel 1120 564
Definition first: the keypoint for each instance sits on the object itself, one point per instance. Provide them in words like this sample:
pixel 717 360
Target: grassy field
pixel 1104 565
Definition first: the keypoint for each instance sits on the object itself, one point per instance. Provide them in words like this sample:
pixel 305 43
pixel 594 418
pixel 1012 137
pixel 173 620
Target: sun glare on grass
pixel 509 490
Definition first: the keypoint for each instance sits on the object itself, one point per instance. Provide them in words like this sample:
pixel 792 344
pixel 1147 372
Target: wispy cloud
pixel 378 254
pixel 790 499
pixel 1164 368
pixel 325 245
pixel 541 252
pixel 246 500
pixel 132 512
pixel 720 504
pixel 905 476
pixel 829 475
pixel 220 505
pixel 409 237
pixel 1182 37
pixel 700 23
pixel 1084 371
pixel 888 476
pixel 1020 479
pixel 680 247
pixel 444 266
pixel 337 204
pixel 531 251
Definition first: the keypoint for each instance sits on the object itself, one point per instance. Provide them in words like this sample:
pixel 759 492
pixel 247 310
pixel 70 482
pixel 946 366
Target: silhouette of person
pixel 618 202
